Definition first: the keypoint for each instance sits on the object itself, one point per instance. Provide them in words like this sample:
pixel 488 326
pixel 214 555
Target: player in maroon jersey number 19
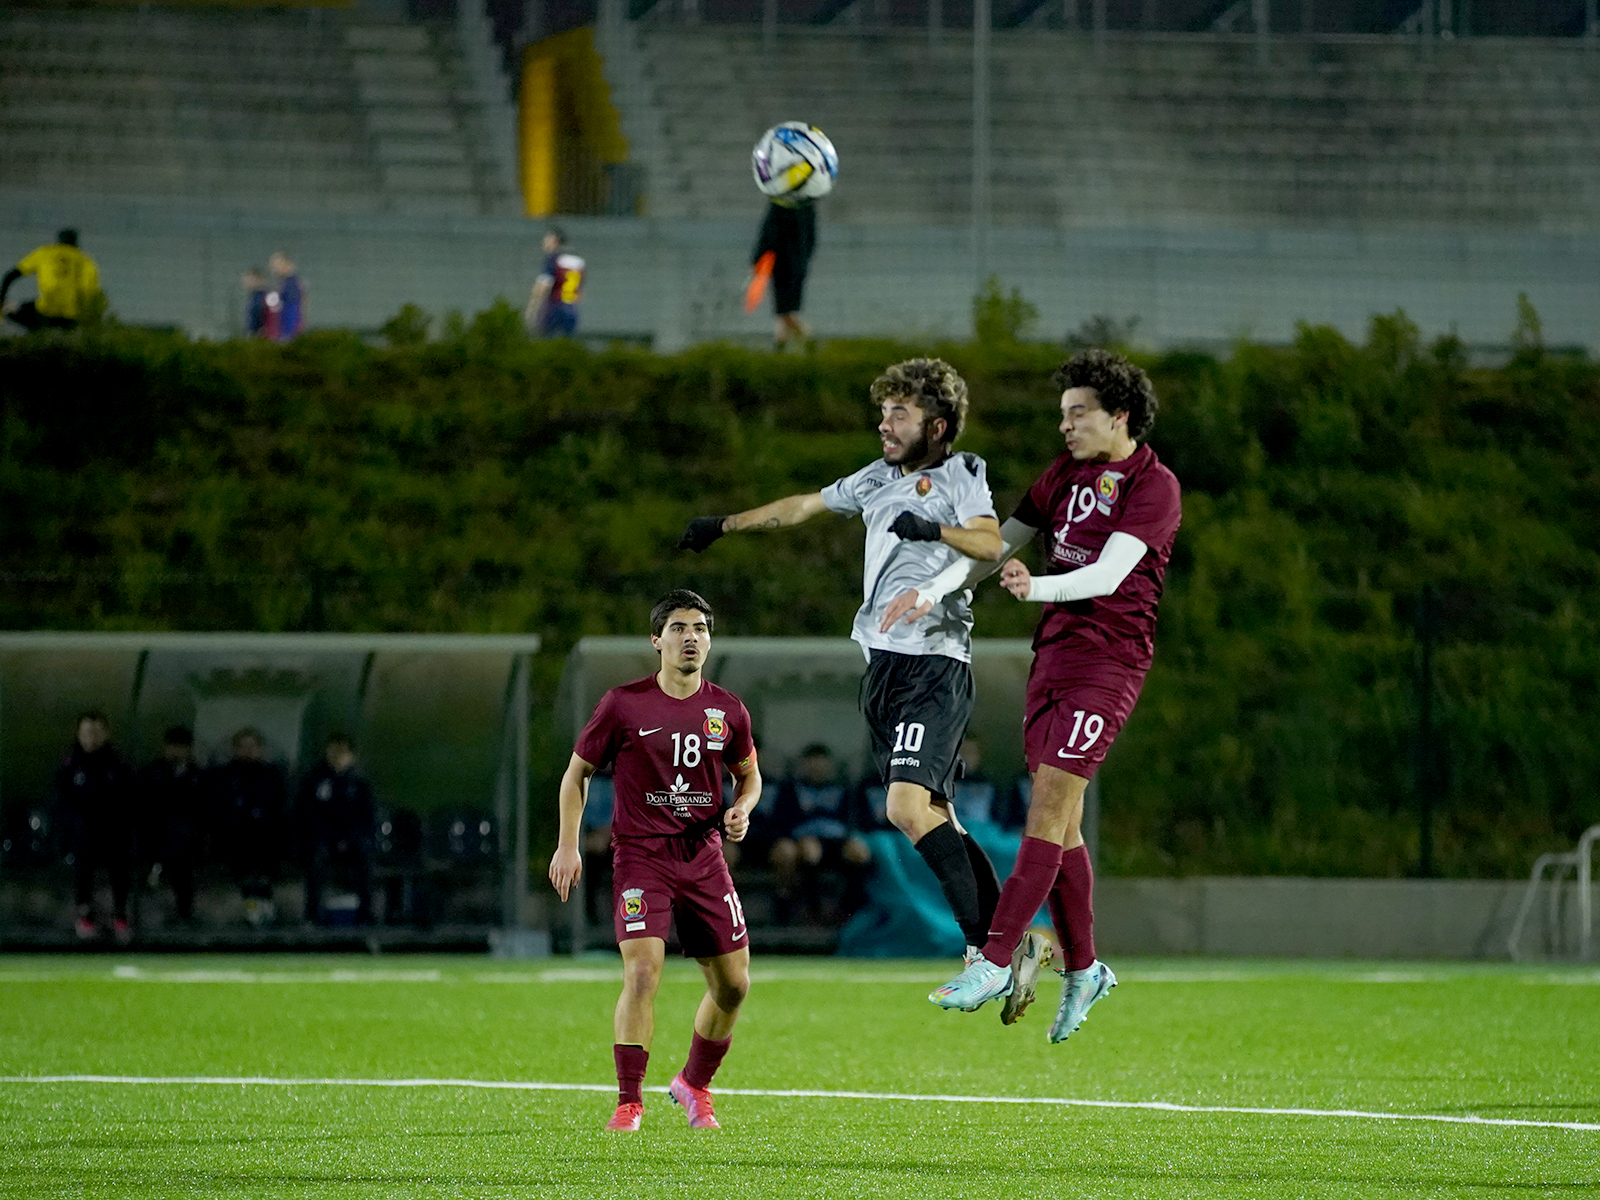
pixel 1111 511
pixel 670 735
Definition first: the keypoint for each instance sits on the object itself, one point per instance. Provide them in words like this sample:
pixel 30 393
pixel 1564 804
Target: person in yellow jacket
pixel 69 284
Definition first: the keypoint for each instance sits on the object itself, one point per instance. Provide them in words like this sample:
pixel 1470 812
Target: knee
pixel 729 994
pixel 810 851
pixel 909 811
pixel 641 978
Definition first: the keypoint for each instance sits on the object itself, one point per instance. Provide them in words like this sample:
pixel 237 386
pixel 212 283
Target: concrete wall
pixel 1320 918
pixel 681 281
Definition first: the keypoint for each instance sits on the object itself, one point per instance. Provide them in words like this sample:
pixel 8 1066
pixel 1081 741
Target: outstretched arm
pixel 567 862
pixel 964 573
pixel 780 514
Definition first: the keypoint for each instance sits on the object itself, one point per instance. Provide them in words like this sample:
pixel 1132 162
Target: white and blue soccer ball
pixel 794 161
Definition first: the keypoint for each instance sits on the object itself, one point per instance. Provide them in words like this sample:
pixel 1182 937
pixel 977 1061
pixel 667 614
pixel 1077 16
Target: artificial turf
pixel 1491 1041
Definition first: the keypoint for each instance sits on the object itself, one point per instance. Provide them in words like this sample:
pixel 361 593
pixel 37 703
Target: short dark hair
pixel 933 385
pixel 92 714
pixel 249 731
pixel 177 735
pixel 67 237
pixel 339 739
pixel 1121 386
pixel 674 600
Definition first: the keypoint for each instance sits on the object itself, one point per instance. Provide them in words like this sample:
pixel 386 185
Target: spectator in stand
pixel 814 836
pixel 248 794
pixel 789 234
pixel 173 801
pixel 553 307
pixel 260 317
pixel 291 296
pixel 94 806
pixel 69 285
pixel 338 823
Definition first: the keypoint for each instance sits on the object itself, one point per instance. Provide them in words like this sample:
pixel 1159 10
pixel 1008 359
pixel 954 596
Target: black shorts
pixel 30 318
pixel 917 707
pixel 788 285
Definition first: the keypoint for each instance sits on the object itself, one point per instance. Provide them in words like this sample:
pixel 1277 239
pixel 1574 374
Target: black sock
pixel 988 883
pixel 942 849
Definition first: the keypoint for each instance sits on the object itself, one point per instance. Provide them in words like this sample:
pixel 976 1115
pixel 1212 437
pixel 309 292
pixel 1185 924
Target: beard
pixel 912 452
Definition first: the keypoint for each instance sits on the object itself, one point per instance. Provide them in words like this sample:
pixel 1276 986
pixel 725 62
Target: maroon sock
pixel 1038 863
pixel 705 1056
pixel 631 1062
pixel 1072 908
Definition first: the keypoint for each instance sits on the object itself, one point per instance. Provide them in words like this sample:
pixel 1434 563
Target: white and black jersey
pixel 952 493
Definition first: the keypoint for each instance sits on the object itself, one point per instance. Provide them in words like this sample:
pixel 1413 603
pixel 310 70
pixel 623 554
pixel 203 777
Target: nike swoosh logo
pixel 648 732
pixel 1064 754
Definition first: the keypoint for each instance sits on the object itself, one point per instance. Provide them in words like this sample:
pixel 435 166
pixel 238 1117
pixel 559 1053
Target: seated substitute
pixel 338 823
pixel 94 811
pixel 671 736
pixel 248 795
pixel 814 836
pixel 173 801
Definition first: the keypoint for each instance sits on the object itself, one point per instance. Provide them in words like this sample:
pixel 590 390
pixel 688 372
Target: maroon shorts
pixel 654 880
pixel 1075 710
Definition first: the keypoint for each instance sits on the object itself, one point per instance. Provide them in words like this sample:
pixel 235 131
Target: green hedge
pixel 482 482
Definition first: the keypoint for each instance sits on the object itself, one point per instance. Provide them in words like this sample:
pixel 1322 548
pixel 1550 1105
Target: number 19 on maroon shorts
pixel 1071 723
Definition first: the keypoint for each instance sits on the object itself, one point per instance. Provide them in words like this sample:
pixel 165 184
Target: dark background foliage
pixel 481 482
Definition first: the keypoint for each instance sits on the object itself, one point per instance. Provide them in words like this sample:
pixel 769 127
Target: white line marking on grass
pixel 769 975
pixel 517 1085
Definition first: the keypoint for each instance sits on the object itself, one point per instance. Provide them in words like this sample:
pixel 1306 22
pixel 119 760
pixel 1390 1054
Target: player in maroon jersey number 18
pixel 1111 512
pixel 670 736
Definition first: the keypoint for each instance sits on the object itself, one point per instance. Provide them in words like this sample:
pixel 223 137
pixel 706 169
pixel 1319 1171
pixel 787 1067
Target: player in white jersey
pixel 925 507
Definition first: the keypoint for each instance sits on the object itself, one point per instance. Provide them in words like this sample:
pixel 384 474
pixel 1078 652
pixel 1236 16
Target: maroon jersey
pixel 669 756
pixel 1080 505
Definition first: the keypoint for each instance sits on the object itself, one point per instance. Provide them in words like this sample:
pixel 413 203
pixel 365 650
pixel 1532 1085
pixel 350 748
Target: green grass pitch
pixel 1499 1042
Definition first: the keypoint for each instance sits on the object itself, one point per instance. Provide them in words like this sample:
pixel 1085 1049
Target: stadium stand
pixel 1155 130
pixel 331 110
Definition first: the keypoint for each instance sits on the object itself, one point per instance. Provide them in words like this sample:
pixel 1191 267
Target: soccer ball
pixel 794 161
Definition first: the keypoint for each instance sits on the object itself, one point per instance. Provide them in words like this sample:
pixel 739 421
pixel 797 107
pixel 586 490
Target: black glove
pixel 909 527
pixel 701 533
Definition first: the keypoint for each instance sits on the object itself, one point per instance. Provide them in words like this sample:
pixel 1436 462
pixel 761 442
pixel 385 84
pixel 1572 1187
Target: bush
pixel 483 482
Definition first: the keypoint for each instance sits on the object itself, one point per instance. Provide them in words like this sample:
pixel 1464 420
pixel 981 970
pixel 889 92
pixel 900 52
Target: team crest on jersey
pixel 633 904
pixel 716 724
pixel 1107 488
pixel 924 485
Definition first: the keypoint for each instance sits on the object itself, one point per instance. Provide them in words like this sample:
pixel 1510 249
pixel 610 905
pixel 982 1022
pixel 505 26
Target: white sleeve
pixel 968 572
pixel 1100 578
pixel 843 496
pixel 973 498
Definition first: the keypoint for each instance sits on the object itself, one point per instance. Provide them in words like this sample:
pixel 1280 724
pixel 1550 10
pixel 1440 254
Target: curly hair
pixel 1121 386
pixel 933 386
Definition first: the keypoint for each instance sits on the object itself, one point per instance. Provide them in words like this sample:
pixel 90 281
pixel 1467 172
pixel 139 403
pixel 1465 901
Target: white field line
pixel 763 975
pixel 806 1094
